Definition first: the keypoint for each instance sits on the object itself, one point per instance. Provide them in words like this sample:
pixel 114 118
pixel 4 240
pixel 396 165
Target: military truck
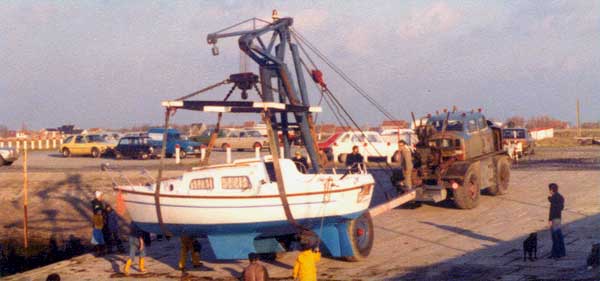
pixel 458 155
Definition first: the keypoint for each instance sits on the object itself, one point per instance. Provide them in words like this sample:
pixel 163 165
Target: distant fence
pixel 39 143
pixel 542 134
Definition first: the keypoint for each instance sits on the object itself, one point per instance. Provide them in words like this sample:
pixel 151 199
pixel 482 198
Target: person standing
pixel 354 159
pixel 136 244
pixel 255 271
pixel 305 268
pixel 98 202
pixel 112 226
pixel 189 245
pixel 97 235
pixel 406 163
pixel 300 162
pixel 557 203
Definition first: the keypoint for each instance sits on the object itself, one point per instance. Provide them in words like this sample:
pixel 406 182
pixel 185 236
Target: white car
pixel 8 155
pixel 371 144
pixel 394 135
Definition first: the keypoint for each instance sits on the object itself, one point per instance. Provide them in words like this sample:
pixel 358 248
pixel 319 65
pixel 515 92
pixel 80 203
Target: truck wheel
pixel 466 196
pixel 502 177
pixel 342 158
pixel 66 152
pixel 182 154
pixel 95 152
pixel 361 235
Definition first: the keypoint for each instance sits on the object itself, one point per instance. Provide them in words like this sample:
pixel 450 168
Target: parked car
pixel 370 145
pixel 93 145
pixel 174 138
pixel 8 155
pixel 241 139
pixel 204 138
pixel 135 147
pixel 517 142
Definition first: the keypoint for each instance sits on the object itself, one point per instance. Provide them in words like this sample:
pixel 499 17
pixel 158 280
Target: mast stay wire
pixel 338 106
pixel 301 39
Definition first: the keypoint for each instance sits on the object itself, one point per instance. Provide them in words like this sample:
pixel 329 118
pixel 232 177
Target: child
pixel 136 243
pixel 97 235
pixel 305 268
pixel 112 225
pixel 254 271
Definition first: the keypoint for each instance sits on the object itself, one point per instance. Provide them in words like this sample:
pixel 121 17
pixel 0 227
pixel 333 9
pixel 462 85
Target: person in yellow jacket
pixel 305 268
pixel 189 244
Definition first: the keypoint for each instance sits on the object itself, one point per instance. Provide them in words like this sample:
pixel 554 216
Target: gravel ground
pixel 433 242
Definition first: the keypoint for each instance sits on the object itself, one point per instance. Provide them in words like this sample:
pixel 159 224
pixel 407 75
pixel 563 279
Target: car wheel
pixel 182 154
pixel 342 158
pixel 118 155
pixel 95 152
pixel 143 156
pixel 502 177
pixel 66 152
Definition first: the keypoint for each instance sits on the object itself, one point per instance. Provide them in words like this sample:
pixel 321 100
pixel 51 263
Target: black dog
pixel 530 247
pixel 593 259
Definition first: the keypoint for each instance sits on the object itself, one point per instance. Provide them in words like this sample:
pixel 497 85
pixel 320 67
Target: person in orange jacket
pixel 305 268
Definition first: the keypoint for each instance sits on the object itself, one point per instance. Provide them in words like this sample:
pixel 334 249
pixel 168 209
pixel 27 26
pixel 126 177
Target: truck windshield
pixel 453 125
pixel 513 134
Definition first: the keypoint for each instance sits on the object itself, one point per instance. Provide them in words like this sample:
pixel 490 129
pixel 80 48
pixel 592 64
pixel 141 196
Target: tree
pixel 545 121
pixel 515 122
pixel 3 131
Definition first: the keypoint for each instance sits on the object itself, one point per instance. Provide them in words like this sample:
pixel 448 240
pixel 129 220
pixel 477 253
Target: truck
pixel 459 154
pixel 174 139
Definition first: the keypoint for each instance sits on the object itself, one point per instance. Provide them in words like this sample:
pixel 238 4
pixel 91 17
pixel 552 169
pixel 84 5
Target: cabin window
pixel 201 184
pixel 235 182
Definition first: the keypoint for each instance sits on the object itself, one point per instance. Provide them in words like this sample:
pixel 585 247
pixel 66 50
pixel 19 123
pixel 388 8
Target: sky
pixel 111 63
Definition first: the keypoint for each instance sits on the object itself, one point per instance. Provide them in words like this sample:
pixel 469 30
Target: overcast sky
pixel 110 63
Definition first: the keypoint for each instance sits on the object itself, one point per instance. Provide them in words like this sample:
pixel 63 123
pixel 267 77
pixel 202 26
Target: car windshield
pixel 453 125
pixel 95 138
pixel 253 134
pixel 513 134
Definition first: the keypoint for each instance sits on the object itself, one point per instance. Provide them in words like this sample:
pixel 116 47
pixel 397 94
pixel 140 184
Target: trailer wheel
pixel 361 235
pixel 502 177
pixel 466 196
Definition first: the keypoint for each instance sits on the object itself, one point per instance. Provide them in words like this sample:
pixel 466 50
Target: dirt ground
pixel 433 242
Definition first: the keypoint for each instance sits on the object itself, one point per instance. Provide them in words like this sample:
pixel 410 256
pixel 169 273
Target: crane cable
pixel 337 104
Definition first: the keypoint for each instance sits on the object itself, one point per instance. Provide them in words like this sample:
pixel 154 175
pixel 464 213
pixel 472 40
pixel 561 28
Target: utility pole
pixel 25 187
pixel 578 120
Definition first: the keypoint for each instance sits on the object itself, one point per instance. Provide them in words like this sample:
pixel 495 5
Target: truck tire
pixel 342 158
pixel 466 196
pixel 66 152
pixel 182 154
pixel 502 177
pixel 361 235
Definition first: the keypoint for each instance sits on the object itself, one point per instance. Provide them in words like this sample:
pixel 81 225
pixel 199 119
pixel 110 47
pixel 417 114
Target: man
pixel 189 245
pixel 305 267
pixel 113 238
pixel 557 203
pixel 354 158
pixel 255 271
pixel 300 162
pixel 406 163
